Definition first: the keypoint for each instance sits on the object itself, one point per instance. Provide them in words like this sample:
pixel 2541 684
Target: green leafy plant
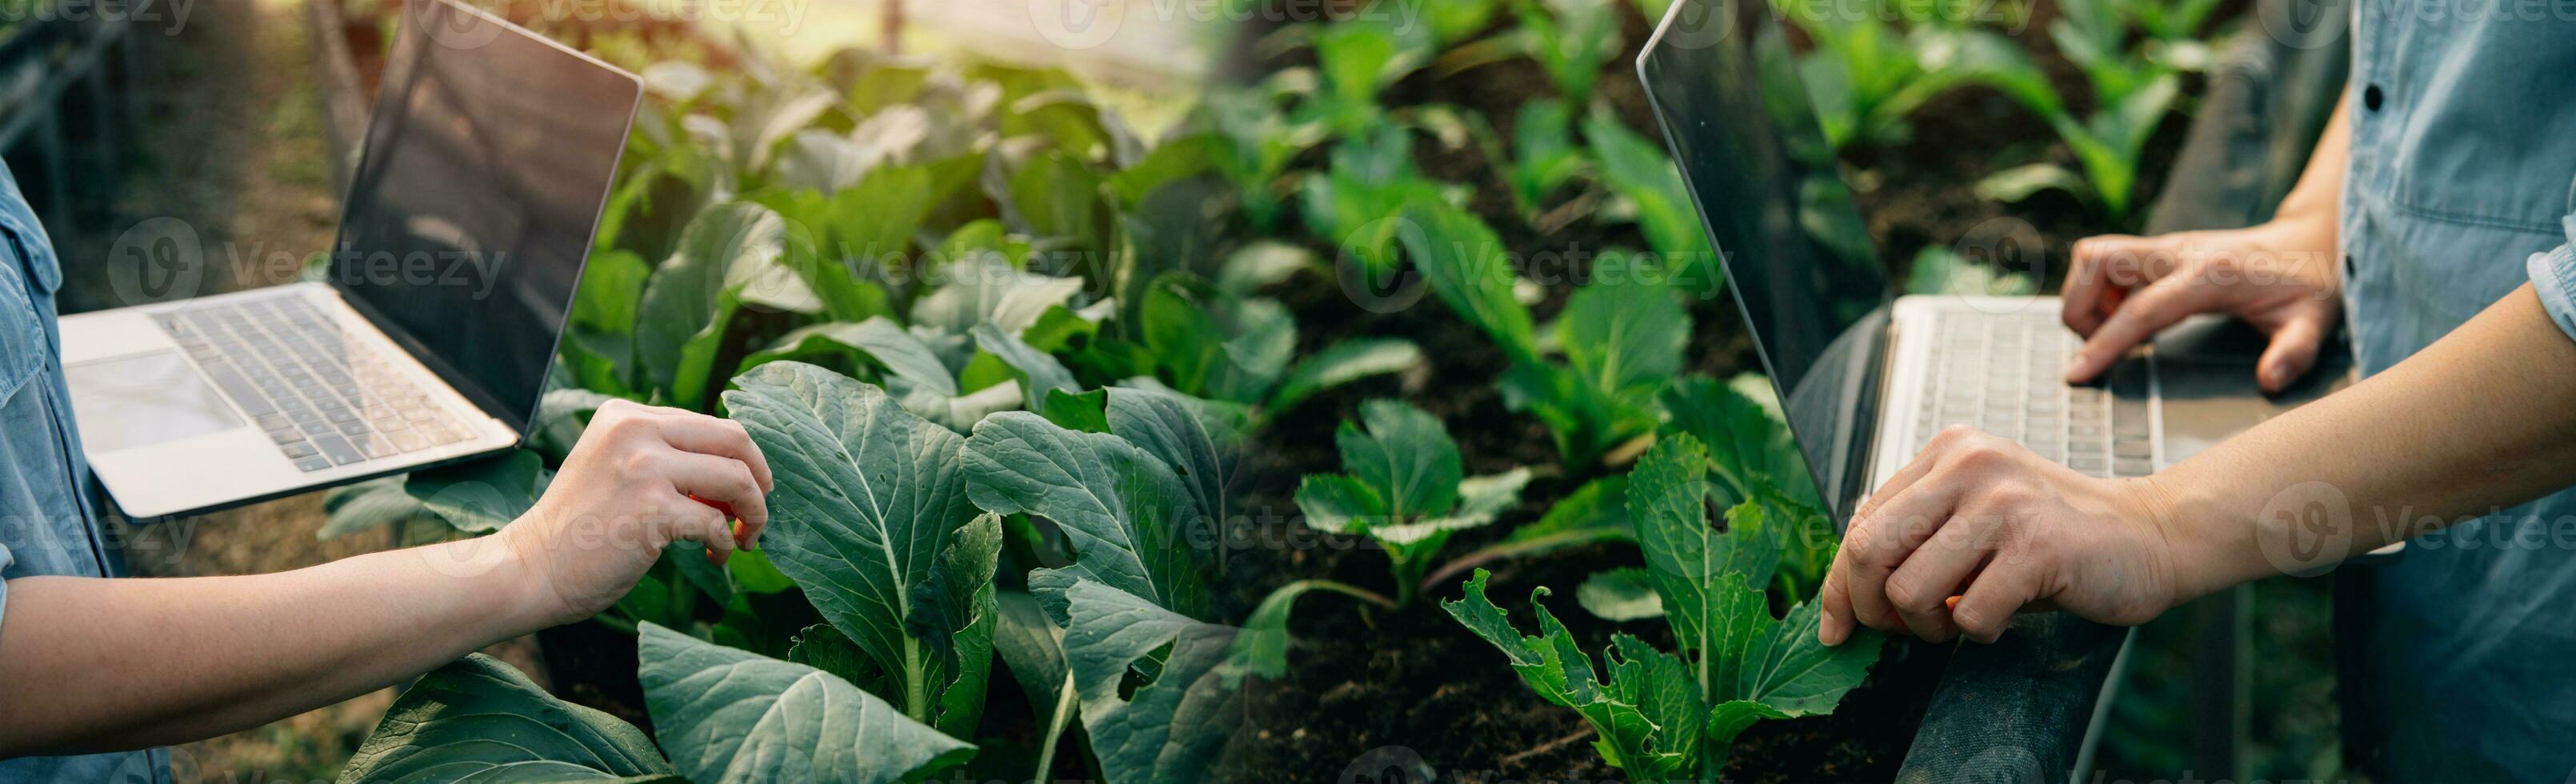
pixel 1370 180
pixel 1865 75
pixel 1357 59
pixel 2134 85
pixel 855 469
pixel 1402 486
pixel 722 715
pixel 1621 338
pixel 1671 715
pixel 1572 40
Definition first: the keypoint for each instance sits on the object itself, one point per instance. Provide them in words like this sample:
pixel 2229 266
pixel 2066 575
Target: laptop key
pixel 312 463
pixel 239 389
pixel 377 447
pixel 300 449
pixel 408 441
pixel 339 450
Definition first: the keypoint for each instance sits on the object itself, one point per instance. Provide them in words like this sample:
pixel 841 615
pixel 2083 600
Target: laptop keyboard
pixel 2000 373
pixel 324 401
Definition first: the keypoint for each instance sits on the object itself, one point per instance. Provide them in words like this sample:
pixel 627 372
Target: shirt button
pixel 2370 97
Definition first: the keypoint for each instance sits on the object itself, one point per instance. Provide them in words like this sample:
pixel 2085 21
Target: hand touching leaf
pixel 871 517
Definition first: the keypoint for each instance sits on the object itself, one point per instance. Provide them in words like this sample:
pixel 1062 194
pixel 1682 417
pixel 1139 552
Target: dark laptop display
pixel 1798 259
pixel 468 221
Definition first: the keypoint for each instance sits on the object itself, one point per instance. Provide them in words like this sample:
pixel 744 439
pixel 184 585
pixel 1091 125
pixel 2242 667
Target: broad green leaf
pixel 1406 455
pixel 728 256
pixel 727 715
pixel 1171 729
pixel 1215 345
pixel 1056 198
pixel 1624 337
pixel 1466 266
pixel 870 516
pixel 1624 594
pixel 980 289
pixel 874 222
pixel 1403 487
pixel 1082 412
pixel 1342 363
pixel 477 719
pixel 478 496
pixel 1172 428
pixel 1640 171
pixel 1132 522
pixel 1748 444
pixel 1790 671
pixel 1339 503
pixel 1703 574
pixel 1039 374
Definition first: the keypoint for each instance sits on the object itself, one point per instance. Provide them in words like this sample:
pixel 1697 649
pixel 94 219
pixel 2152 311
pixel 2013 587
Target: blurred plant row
pixel 1868 71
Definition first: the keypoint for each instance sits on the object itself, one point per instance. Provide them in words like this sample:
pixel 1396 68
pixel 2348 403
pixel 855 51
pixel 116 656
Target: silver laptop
pixel 1867 378
pixel 487 159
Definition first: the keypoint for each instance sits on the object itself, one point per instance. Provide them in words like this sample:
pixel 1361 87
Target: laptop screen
pixel 1797 256
pixel 486 162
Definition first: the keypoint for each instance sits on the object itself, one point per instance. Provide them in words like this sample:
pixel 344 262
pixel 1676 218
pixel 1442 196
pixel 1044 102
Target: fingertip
pixel 1831 629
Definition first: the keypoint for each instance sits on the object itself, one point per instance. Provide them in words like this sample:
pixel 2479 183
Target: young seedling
pixel 1403 486
pixel 1667 715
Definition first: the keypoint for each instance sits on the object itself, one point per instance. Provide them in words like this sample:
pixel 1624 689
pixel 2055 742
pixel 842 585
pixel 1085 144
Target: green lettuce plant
pixel 1666 715
pixel 1402 486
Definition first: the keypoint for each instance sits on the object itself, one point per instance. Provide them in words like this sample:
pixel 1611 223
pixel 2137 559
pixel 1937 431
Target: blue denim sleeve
pixel 2553 275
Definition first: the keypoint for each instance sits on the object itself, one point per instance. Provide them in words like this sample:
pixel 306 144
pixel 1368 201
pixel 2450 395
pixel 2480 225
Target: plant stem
pixel 1064 706
pixel 1508 549
pixel 1345 589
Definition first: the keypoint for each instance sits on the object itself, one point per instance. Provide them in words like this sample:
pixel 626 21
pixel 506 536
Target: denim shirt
pixel 2461 188
pixel 48 524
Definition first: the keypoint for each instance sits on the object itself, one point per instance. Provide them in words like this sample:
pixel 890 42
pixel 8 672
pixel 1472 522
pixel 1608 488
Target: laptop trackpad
pixel 141 400
pixel 2205 369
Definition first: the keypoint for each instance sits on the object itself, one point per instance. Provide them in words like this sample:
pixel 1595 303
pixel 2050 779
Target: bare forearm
pixel 91 664
pixel 2484 418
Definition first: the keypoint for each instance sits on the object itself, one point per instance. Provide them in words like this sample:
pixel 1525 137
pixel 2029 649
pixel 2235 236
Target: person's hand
pixel 2004 530
pixel 640 478
pixel 2279 276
